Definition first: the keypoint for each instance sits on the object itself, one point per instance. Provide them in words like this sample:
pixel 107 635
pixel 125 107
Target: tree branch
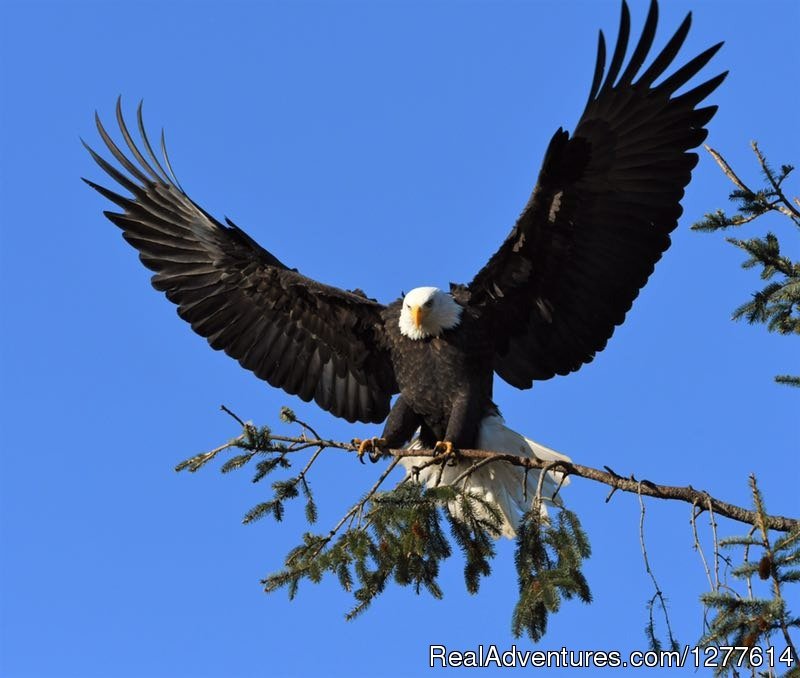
pixel 358 507
pixel 646 488
pixel 728 170
pixel 789 210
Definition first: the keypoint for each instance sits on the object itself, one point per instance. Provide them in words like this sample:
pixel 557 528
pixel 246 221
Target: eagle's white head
pixel 427 312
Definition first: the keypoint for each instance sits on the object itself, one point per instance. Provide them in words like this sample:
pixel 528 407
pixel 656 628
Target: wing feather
pixel 620 48
pixel 601 213
pixel 642 47
pixel 310 339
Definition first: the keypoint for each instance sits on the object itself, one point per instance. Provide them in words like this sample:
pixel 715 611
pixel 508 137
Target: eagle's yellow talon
pixel 444 447
pixel 372 446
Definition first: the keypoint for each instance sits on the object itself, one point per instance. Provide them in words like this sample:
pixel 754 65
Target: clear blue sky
pixel 383 145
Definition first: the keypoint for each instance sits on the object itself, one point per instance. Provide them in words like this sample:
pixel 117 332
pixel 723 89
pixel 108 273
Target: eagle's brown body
pixel 445 381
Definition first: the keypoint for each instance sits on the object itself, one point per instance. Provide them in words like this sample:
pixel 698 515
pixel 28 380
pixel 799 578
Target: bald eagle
pixel 545 303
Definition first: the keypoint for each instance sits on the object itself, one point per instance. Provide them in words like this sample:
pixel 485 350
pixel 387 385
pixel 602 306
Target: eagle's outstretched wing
pixel 310 339
pixel 600 215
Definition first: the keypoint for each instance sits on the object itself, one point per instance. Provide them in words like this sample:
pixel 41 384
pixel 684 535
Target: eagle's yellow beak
pixel 417 314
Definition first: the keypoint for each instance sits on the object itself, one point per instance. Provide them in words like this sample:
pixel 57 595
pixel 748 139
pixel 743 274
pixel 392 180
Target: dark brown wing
pixel 309 339
pixel 600 215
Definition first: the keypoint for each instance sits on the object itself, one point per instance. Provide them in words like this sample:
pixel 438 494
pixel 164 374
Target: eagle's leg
pixel 462 427
pixel 400 424
pixel 375 447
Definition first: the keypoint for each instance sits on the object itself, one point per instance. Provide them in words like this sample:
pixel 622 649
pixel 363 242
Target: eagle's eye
pixel 428 303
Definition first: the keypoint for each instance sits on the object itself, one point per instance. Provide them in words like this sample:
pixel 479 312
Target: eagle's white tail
pixel 499 482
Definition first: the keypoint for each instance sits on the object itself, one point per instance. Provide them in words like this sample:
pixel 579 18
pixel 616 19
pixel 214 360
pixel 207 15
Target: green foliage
pixel 548 559
pixel 396 535
pixel 751 204
pixel 287 415
pixel 650 631
pixel 400 538
pixel 403 535
pixel 751 621
pixel 777 304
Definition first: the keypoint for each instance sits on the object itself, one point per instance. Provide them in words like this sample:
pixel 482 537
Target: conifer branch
pixel 748 621
pixel 767 568
pixel 778 304
pixel 785 205
pixel 644 487
pixel 397 534
pixel 752 203
pixel 287 445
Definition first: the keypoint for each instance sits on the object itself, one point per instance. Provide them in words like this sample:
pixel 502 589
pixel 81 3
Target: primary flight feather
pixel 546 302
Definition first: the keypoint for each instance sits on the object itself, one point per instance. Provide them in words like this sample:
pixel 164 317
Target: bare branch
pixel 699 548
pixel 713 522
pixel 658 595
pixel 234 415
pixel 466 473
pixel 728 170
pixel 687 494
pixel 314 456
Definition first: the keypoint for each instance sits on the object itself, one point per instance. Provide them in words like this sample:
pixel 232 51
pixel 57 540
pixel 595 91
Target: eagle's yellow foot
pixel 444 447
pixel 372 446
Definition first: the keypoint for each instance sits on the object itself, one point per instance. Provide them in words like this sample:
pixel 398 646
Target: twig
pixel 540 484
pixel 360 505
pixel 560 485
pixel 415 470
pixel 525 485
pixel 739 220
pixel 467 472
pixel 314 456
pixel 746 560
pixel 308 427
pixel 659 595
pixel 232 414
pixel 789 210
pixel 713 524
pixel 699 548
pixel 725 167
